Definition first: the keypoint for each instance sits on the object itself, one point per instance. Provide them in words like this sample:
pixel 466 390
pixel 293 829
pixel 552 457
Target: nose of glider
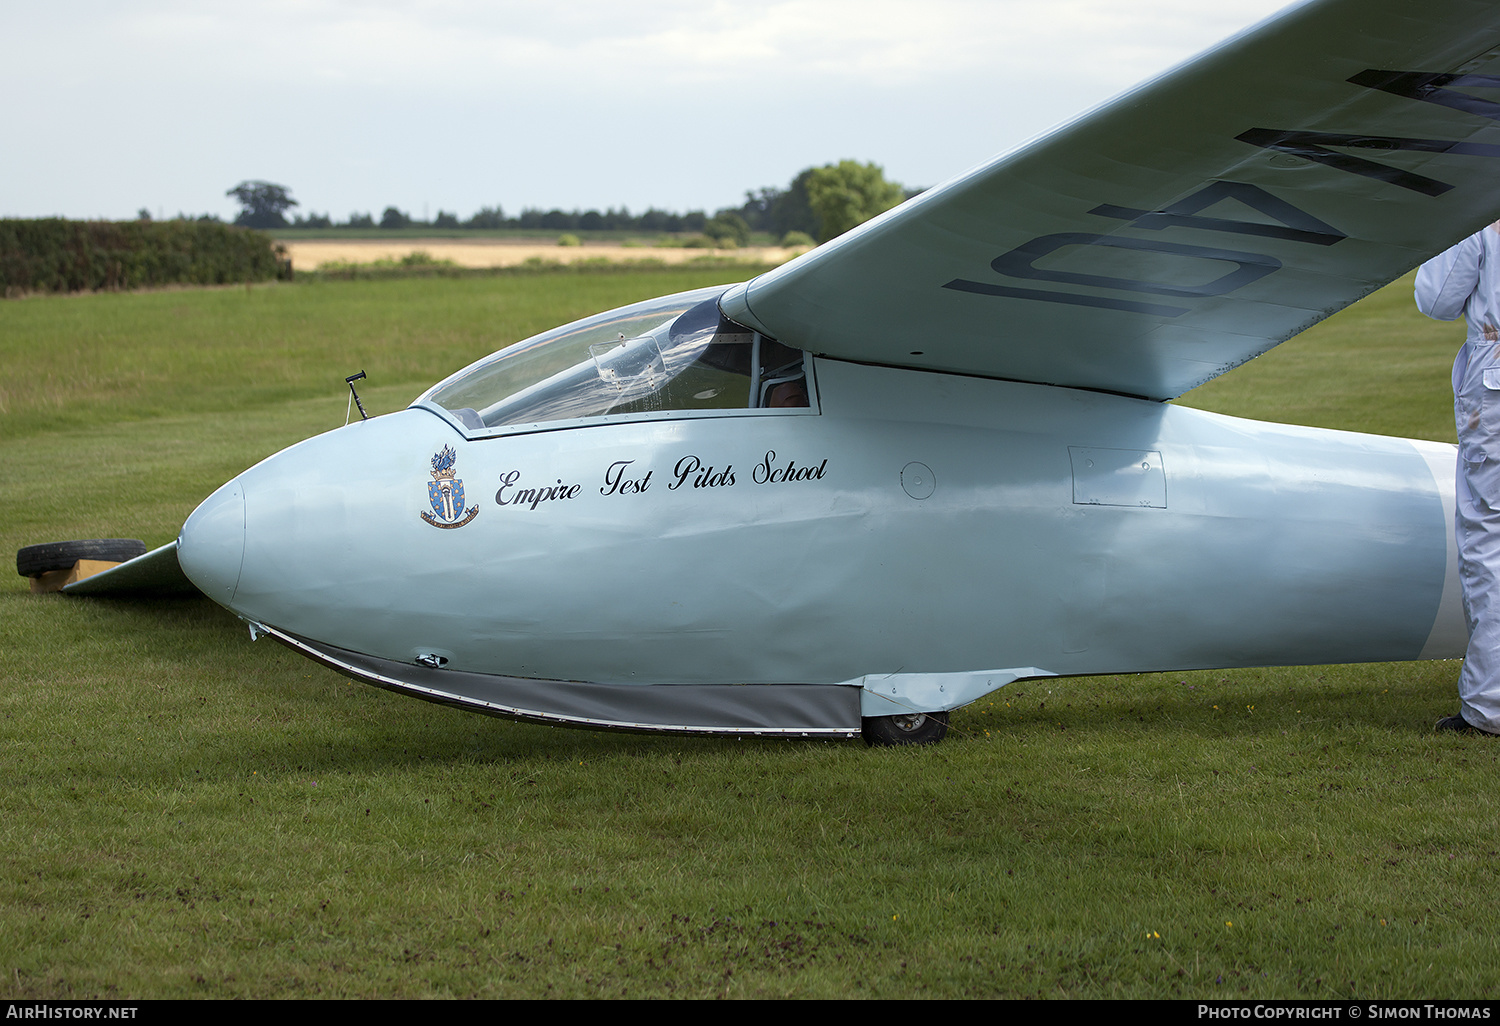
pixel 211 547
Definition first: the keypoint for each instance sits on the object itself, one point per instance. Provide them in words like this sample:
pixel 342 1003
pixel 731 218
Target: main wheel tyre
pixel 906 729
pixel 35 560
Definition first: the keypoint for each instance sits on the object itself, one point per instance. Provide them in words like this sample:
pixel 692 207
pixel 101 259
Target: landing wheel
pixel 35 560
pixel 905 729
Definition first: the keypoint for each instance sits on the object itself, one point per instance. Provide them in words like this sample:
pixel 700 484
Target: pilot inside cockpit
pixel 785 388
pixel 774 375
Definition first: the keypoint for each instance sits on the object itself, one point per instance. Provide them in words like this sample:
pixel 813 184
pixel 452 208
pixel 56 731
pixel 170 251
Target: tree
pixel 756 210
pixel 654 220
pixel 728 226
pixel 779 211
pixel 262 204
pixel 393 218
pixel 847 194
pixel 487 217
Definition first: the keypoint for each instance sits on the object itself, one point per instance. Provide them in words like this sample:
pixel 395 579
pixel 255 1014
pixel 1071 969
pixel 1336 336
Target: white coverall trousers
pixel 1476 408
pixel 1466 280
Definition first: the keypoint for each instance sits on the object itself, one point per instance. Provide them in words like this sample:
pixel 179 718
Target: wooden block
pixel 54 580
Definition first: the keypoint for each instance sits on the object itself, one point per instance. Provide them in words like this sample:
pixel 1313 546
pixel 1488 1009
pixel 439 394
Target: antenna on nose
pixel 350 380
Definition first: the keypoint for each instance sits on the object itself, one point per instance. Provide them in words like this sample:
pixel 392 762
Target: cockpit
pixel 676 356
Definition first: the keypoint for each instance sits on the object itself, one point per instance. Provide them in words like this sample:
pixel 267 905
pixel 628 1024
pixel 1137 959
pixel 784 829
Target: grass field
pixel 188 814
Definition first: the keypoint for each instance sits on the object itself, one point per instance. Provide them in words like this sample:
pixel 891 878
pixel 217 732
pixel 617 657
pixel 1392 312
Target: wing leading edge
pixel 1186 226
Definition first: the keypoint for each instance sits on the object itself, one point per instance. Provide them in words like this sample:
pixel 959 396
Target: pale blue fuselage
pixel 589 527
pixel 1066 532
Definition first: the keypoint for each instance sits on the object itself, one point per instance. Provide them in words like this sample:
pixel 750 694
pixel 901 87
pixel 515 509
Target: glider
pixel 933 456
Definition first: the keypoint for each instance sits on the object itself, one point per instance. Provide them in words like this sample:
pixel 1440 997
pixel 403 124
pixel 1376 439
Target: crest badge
pixel 445 493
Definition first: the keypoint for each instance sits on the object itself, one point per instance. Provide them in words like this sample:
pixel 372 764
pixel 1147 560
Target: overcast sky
pixel 431 105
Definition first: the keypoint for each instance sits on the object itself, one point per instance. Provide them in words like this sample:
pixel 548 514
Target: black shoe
pixel 1459 725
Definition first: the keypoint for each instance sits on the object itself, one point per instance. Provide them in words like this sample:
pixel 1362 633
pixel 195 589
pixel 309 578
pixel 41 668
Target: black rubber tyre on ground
pixel 908 729
pixel 35 560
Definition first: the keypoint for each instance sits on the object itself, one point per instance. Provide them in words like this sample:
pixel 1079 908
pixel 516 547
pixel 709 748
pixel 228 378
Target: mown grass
pixel 1379 367
pixel 189 814
pixel 101 358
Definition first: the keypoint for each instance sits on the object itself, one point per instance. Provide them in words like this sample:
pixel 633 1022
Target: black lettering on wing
pixel 1441 88
pixel 1433 87
pixel 1312 146
pixel 1296 225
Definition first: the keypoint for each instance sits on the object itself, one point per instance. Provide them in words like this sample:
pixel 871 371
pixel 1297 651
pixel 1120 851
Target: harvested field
pixel 309 256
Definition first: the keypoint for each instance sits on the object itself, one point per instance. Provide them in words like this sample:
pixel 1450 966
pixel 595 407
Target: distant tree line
pixel 819 203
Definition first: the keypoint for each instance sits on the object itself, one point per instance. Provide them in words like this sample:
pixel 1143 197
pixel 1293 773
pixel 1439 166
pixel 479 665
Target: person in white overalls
pixel 1466 280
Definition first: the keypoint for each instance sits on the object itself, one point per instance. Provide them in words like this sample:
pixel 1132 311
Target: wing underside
pixel 1186 226
pixel 156 572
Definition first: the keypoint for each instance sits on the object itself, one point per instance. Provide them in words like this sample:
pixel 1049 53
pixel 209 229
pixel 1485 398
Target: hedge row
pixel 54 255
